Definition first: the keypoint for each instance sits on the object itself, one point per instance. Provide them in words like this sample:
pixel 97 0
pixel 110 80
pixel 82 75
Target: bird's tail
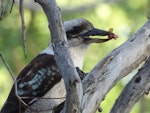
pixel 10 107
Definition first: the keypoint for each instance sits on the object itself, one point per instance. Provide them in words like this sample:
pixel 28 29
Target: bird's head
pixel 80 30
pixel 79 33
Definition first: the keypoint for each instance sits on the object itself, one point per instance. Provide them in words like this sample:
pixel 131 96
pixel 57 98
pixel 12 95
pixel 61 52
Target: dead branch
pixel 7 67
pixel 62 58
pixel 138 86
pixel 1 9
pixel 21 9
pixel 13 1
pixel 115 66
pixel 105 74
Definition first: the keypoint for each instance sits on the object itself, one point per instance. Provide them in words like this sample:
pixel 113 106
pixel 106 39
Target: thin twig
pixel 13 1
pixel 35 110
pixel 43 98
pixel 8 68
pixel 23 27
pixel 14 79
pixel 1 9
pixel 41 110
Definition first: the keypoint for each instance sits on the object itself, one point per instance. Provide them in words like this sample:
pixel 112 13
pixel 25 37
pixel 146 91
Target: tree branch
pixel 1 9
pixel 72 81
pixel 138 86
pixel 21 10
pixel 115 66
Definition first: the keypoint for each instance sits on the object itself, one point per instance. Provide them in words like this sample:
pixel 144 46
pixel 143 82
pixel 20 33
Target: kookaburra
pixel 40 84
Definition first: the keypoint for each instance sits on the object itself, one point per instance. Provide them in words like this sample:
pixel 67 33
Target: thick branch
pixel 62 58
pixel 115 66
pixel 137 86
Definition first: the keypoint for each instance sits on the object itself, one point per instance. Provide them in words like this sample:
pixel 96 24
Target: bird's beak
pixel 98 32
pixel 95 32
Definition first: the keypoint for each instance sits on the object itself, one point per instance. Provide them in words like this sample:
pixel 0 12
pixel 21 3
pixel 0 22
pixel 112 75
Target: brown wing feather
pixel 35 80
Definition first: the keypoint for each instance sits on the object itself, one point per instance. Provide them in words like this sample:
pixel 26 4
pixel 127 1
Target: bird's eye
pixel 74 30
pixel 77 30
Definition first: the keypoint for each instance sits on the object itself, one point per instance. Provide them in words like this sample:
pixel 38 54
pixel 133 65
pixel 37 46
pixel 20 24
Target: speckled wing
pixel 34 81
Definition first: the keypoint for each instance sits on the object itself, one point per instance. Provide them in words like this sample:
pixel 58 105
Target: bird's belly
pixel 50 100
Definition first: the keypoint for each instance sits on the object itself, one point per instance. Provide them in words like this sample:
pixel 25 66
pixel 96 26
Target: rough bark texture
pixel 105 74
pixel 138 85
pixel 115 66
pixel 63 60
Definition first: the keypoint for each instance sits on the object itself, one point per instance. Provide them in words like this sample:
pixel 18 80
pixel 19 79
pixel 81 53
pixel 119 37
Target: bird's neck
pixel 77 54
pixel 48 50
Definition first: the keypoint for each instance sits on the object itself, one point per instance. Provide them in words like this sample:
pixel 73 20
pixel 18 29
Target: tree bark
pixel 117 64
pixel 72 81
pixel 138 86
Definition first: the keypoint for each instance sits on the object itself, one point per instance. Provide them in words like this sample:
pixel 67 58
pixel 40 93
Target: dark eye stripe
pixel 75 30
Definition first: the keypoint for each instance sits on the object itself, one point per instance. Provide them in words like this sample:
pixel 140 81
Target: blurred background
pixel 124 16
